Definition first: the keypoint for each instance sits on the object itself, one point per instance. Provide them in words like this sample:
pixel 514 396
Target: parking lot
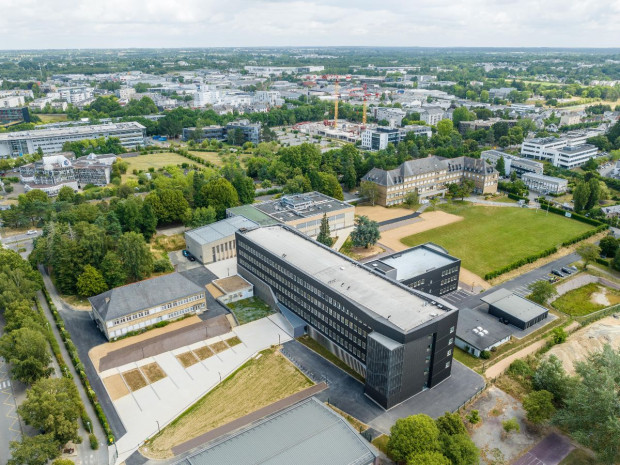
pixel 457 296
pixel 523 288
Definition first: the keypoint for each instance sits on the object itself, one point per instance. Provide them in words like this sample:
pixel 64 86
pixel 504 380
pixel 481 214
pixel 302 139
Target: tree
pixel 428 458
pixel 91 282
pixel 460 449
pixel 450 423
pixel 63 462
pixel 53 406
pixel 297 185
pixel 616 261
pixel 539 406
pixel 220 194
pixel 588 253
pixel 500 166
pixel 169 205
pixel 412 435
pixel 34 450
pixel 609 246
pixel 462 114
pixel 202 216
pixel 550 376
pixel 135 256
pixel 244 187
pixel 366 232
pixel 444 127
pixel 112 270
pixel 324 236
pixel 370 191
pixel 26 351
pixel 511 425
pixel 591 411
pixel 595 193
pixel 581 194
pixel 412 199
pixel 541 291
pixel 65 194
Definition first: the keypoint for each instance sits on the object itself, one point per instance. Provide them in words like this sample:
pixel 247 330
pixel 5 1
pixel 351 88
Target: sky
pixel 37 24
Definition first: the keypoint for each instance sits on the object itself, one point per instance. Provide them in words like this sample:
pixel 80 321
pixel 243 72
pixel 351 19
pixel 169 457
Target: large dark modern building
pixel 427 268
pixel 14 115
pixel 399 339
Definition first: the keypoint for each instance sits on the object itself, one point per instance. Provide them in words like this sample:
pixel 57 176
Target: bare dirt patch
pixel 495 406
pixel 430 220
pixel 134 379
pixel 187 359
pixel 380 214
pixel 218 347
pixel 203 353
pixel 115 386
pixel 587 340
pixel 153 372
pixel 600 297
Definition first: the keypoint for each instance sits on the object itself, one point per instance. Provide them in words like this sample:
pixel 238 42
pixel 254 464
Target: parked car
pixel 567 270
pixel 557 273
pixel 191 258
pixel 186 253
pixel 573 267
pixel 31 232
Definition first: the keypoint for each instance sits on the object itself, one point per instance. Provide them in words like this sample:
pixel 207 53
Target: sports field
pixel 491 237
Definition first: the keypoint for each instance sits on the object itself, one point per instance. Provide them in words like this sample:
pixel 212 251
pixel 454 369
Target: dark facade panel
pixel 396 364
pixel 513 320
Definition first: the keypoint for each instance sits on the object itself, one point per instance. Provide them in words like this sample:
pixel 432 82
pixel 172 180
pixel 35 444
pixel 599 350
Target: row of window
pixel 184 301
pixel 449 280
pixel 454 269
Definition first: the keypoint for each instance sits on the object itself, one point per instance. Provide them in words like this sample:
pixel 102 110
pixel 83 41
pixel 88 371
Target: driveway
pixel 347 393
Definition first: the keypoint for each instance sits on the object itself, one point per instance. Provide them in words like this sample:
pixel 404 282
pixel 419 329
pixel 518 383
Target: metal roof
pixel 515 305
pixel 307 433
pixel 220 229
pixel 474 319
pixel 251 213
pixel 132 298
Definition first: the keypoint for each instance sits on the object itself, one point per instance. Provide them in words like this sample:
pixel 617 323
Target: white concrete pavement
pixel 146 410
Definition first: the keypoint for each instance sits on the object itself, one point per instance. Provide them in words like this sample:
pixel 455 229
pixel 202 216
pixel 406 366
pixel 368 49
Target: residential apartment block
pixel 430 177
pixel 512 162
pixel 433 115
pixel 145 303
pixel 401 340
pixel 393 115
pixel 545 184
pixel 53 172
pixel 562 152
pixel 51 140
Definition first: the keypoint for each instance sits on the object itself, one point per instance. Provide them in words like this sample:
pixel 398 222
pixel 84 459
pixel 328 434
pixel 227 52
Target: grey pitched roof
pixel 125 300
pixel 307 433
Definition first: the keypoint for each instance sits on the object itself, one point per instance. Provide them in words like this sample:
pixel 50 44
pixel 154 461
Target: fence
pixel 472 398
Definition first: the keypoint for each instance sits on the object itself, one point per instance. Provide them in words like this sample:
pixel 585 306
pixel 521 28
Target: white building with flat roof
pixel 562 152
pixel 51 140
pixel 546 184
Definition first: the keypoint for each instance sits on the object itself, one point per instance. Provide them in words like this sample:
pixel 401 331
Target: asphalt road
pixel 9 423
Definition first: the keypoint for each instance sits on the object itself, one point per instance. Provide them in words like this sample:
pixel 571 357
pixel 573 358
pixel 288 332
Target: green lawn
pixel 251 309
pixel 492 237
pixel 578 301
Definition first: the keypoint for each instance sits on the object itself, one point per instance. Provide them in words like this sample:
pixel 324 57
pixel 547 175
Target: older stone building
pixel 430 177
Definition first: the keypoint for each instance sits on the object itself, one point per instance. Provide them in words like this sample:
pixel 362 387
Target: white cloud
pixel 204 23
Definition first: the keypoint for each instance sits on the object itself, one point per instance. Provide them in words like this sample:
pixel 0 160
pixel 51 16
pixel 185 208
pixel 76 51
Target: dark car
pixel 567 270
pixel 191 258
pixel 186 253
pixel 557 273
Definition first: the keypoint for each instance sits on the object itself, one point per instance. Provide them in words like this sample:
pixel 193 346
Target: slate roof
pixel 125 300
pixel 307 433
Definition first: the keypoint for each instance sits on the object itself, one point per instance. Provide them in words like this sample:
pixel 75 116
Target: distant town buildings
pixel 379 137
pixel 15 144
pixel 250 132
pixel 501 93
pixel 430 177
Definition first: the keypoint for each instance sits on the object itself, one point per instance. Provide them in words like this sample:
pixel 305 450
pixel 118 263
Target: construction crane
pixel 336 104
pixel 364 109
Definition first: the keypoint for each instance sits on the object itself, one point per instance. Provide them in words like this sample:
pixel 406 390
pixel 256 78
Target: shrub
pixel 94 443
pixel 511 425
pixel 485 354
pixel 162 265
pixel 520 368
pixel 473 417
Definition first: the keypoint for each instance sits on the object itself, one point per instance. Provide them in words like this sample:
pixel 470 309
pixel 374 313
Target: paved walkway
pixel 490 203
pixel 86 456
pixel 495 370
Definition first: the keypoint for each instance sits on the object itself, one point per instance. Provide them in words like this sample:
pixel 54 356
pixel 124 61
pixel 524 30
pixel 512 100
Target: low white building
pixel 269 97
pixel 546 184
pixel 12 102
pixel 560 152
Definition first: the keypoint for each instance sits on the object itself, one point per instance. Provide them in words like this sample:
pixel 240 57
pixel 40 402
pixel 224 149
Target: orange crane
pixel 336 104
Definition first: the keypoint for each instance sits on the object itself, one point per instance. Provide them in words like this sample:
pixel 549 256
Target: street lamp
pixel 158 428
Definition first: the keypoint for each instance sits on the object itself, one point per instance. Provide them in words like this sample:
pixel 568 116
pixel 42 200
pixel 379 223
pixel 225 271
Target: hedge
pixel 576 216
pixel 518 197
pixel 585 235
pixel 79 368
pixel 520 262
pixel 602 261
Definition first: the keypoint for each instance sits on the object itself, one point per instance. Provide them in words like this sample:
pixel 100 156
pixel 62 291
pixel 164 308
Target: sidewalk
pixel 85 455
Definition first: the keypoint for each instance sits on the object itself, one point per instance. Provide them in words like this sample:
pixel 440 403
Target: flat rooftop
pixel 293 207
pixel 71 130
pixel 492 330
pixel 415 261
pixel 515 305
pixel 232 284
pixel 219 230
pixel 307 433
pixel 397 304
